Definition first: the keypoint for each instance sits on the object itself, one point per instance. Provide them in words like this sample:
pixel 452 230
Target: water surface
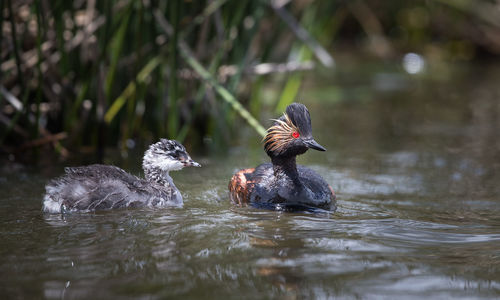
pixel 414 161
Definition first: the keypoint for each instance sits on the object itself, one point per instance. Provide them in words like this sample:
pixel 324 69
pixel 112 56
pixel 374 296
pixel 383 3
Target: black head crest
pixel 299 115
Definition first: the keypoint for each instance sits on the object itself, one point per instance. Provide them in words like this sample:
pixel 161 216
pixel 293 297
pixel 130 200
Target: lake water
pixel 415 163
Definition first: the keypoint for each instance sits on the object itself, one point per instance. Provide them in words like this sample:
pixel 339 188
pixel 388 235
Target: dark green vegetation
pixel 99 73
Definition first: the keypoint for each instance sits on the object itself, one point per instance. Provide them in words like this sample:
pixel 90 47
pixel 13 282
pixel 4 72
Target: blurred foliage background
pixel 86 74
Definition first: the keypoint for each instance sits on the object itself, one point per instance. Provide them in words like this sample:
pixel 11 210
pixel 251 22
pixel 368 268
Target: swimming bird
pixel 282 184
pixel 98 187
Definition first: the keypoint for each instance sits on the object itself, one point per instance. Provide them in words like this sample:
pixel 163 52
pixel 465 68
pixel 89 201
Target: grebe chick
pixel 282 184
pixel 98 187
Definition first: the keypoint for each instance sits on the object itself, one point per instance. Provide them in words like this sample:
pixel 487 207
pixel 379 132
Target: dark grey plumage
pixel 97 187
pixel 276 186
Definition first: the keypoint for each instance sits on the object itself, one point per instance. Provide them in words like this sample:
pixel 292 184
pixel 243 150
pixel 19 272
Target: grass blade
pixel 130 89
pixel 207 77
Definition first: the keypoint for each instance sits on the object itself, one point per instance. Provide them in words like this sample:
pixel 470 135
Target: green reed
pixel 104 72
pixel 107 71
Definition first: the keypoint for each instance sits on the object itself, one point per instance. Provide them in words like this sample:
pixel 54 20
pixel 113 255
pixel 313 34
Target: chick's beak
pixel 190 163
pixel 311 143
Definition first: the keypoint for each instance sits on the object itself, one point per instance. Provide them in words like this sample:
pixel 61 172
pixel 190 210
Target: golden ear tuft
pixel 279 135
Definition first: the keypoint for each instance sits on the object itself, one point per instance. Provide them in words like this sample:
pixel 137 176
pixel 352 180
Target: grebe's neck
pixel 285 167
pixel 158 176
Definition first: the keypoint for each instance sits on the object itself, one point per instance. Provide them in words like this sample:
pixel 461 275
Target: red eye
pixel 295 135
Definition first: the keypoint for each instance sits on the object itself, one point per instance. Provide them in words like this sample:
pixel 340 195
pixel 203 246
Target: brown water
pixel 415 163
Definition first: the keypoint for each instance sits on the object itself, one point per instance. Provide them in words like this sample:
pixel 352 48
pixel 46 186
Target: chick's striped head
pixel 167 155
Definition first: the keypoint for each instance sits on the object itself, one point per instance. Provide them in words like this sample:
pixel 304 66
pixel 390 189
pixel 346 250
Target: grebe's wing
pixel 100 172
pixel 240 186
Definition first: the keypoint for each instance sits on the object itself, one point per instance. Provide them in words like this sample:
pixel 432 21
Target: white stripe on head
pixel 164 155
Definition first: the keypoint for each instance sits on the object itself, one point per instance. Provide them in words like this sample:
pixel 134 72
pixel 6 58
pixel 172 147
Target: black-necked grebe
pixel 98 187
pixel 281 183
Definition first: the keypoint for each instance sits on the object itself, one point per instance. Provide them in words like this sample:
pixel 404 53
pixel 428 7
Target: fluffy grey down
pixel 98 187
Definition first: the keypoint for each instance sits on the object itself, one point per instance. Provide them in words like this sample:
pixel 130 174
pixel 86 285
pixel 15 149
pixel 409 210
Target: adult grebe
pixel 282 184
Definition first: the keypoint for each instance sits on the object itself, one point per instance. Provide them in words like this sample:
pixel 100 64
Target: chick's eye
pixel 295 135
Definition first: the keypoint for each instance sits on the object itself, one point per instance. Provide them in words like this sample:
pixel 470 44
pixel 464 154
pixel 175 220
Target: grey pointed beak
pixel 191 163
pixel 311 143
